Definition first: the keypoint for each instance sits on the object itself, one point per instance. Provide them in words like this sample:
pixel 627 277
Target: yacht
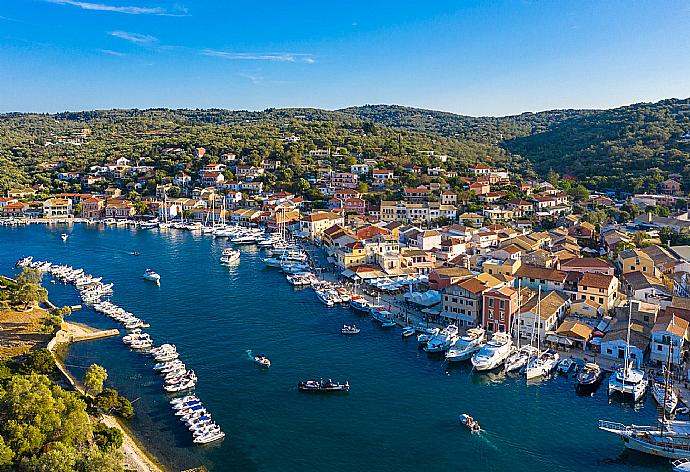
pixel 589 378
pixel 443 340
pixel 229 256
pixel 542 364
pixel 669 439
pixel 152 276
pixel 493 353
pixel 325 297
pixel 466 345
pixel 322 386
pixel 519 358
pixel 424 337
pixel 628 380
pixel 209 438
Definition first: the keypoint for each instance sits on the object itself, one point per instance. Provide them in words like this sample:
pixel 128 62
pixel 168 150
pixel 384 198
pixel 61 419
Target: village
pixel 503 253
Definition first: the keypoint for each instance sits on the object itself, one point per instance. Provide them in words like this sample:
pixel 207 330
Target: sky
pixel 468 57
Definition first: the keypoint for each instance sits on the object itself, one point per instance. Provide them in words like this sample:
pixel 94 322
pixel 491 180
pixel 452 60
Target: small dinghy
pixel 409 331
pixel 470 423
pixel 262 360
pixel 347 329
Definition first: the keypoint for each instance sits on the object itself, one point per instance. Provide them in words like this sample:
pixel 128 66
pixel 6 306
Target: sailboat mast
pixel 627 341
pixel 668 374
pixel 517 320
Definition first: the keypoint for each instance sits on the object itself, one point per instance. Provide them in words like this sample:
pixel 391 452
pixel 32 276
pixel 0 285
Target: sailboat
pixel 670 439
pixel 520 355
pixel 164 224
pixel 628 380
pixel 544 361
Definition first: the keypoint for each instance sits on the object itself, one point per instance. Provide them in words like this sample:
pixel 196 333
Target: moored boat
pixel 589 378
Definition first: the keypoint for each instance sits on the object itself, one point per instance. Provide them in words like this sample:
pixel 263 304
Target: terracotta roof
pixel 589 262
pixel 589 279
pixel 575 329
pixel 673 324
pixel 541 273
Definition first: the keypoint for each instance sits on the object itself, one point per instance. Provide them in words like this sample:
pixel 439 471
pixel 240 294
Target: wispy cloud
pixel 110 52
pixel 136 38
pixel 130 10
pixel 271 56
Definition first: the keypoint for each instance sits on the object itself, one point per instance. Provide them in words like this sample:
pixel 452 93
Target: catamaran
pixel 628 380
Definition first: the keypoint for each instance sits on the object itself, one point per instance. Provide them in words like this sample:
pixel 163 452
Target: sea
pixel 400 415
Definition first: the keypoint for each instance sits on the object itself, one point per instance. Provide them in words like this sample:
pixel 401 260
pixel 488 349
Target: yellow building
pixel 634 260
pixel 598 288
pixel 352 254
pixel 499 267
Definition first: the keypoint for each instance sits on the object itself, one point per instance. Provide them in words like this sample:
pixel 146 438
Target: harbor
pixel 403 404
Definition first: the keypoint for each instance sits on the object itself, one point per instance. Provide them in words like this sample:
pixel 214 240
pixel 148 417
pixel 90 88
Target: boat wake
pixel 250 355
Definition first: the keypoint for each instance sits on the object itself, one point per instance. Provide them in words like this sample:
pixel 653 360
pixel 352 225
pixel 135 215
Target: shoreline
pixel 136 456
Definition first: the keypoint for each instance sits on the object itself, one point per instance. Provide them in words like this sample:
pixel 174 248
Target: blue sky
pixel 469 57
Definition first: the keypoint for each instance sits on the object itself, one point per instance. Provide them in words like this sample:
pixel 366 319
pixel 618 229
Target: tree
pixel 6 453
pixel 363 187
pixel 300 186
pixel 29 276
pixel 107 438
pixel 31 294
pixel 94 378
pixel 40 361
pixel 579 193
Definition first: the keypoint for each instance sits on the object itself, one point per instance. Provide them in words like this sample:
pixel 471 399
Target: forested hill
pixel 629 148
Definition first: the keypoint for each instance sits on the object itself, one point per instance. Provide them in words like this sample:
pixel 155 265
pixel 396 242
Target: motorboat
pixel 180 400
pixel 424 337
pixel 347 329
pixel 229 256
pixel 669 397
pixel 152 276
pixel 209 438
pixel 262 360
pixel 466 345
pixel 566 365
pixel 389 324
pixel 494 353
pixel 408 331
pixel 470 423
pixel 180 387
pixel 628 381
pixel 542 364
pixel 589 378
pixel 681 465
pixel 325 297
pixel 323 386
pixel 443 340
pixel 64 236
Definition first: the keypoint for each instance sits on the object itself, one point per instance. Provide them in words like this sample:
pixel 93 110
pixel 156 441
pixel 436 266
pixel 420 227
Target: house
pixel 614 343
pixel 444 277
pixel 312 226
pixel 462 303
pixel 539 277
pixel 252 187
pixel 68 176
pixel 587 312
pixel 417 260
pixel 539 316
pixel 481 169
pixel 14 209
pixel 500 305
pixel 381 176
pixel 587 264
pixel 416 195
pixel 584 230
pixel 428 239
pixel 449 197
pixel 635 260
pixel 599 288
pixel 113 192
pixel 473 219
pixel 344 180
pixel 480 188
pixel 644 286
pixel 182 180
pixel 351 254
pixel 212 179
pixel 669 187
pixel 451 248
pixel 92 208
pixel 359 169
pixel 57 208
pixel 7 200
pixel 119 209
pixel 572 333
pixel 680 306
pixel 669 332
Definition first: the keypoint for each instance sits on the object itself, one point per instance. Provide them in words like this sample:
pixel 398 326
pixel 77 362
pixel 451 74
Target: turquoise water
pixel 401 413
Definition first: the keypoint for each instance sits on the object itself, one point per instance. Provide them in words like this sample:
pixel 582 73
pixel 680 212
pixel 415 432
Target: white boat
pixel 519 358
pixel 542 364
pixel 443 340
pixel 262 360
pixel 681 465
pixel 229 256
pixel 628 381
pixel 347 329
pixel 325 297
pixel 64 236
pixel 493 353
pixel 566 365
pixel 669 439
pixel 408 331
pixel 360 304
pixel 209 438
pixel 152 276
pixel 466 345
pixel 470 423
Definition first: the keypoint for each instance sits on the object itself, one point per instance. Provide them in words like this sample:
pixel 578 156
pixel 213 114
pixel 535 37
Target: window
pixel 502 304
pixel 491 315
pixel 659 347
pixel 601 301
pixel 491 302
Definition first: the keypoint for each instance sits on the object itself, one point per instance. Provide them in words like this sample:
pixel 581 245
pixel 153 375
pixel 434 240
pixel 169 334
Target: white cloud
pixel 130 10
pixel 134 37
pixel 110 52
pixel 270 56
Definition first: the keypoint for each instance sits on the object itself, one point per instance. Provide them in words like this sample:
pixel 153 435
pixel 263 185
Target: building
pixel 462 303
pixel 381 176
pixel 599 288
pixel 539 316
pixel 351 254
pixel 444 277
pixel 614 343
pixel 119 209
pixel 668 331
pixel 312 226
pixel 57 208
pixel 92 208
pixel 587 264
pixel 500 305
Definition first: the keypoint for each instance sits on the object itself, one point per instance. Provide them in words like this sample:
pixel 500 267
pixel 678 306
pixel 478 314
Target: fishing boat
pixel 64 236
pixel 589 378
pixel 360 304
pixel 470 423
pixel 466 345
pixel 347 329
pixel 494 353
pixel 323 386
pixel 262 360
pixel 663 396
pixel 152 276
pixel 389 324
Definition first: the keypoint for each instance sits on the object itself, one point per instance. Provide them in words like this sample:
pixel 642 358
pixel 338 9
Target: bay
pixel 401 413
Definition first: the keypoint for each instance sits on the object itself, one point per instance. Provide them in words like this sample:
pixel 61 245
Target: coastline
pixel 136 456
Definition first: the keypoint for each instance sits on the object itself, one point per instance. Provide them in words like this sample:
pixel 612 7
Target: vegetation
pixel 94 378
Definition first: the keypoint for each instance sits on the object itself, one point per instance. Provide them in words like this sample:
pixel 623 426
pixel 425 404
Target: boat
pixel 181 400
pixel 388 324
pixel 408 331
pixel 325 297
pixel 681 465
pixel 262 360
pixel 229 256
pixel 589 378
pixel 64 236
pixel 542 364
pixel 443 340
pixel 466 345
pixel 519 358
pixel 470 423
pixel 628 380
pixel 424 337
pixel 209 438
pixel 566 365
pixel 494 353
pixel 347 329
pixel 321 385
pixel 664 396
pixel 152 276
